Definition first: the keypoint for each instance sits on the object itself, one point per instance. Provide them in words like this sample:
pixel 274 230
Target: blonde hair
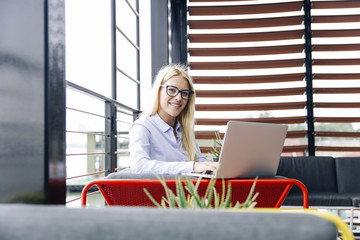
pixel 186 117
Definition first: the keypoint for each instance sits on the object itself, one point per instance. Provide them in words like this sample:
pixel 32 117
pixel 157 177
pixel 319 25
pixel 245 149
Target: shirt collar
pixel 163 126
pixel 177 125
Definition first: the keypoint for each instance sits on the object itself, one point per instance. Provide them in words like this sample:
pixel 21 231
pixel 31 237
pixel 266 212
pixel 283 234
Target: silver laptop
pixel 249 150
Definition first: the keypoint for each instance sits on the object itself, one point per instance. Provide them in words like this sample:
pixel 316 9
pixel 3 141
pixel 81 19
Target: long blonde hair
pixel 186 117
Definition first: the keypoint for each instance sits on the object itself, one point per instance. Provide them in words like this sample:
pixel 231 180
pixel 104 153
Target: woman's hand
pixel 200 167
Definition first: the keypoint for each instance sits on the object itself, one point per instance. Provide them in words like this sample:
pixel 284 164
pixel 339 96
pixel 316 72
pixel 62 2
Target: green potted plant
pixel 215 151
pixel 192 200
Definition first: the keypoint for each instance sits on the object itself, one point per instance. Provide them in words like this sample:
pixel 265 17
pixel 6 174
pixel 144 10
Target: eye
pixel 185 93
pixel 172 90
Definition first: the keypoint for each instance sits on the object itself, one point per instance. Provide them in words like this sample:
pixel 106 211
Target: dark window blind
pixel 248 62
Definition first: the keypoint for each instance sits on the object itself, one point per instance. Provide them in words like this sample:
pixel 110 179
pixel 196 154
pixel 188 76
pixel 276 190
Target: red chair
pixel 130 192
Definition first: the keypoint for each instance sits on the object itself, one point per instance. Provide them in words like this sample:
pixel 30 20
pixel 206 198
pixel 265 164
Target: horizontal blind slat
pixel 247 65
pixel 247 51
pixel 297 148
pixel 335 4
pixel 337 134
pixel 280 120
pixel 245 9
pixel 245 23
pixel 336 90
pixel 247 37
pixel 334 76
pixel 250 107
pixel 250 93
pixel 336 47
pixel 336 119
pixel 337 149
pixel 286 149
pixel 336 33
pixel 211 134
pixel 336 62
pixel 249 79
pixel 337 104
pixel 336 19
pixel 212 0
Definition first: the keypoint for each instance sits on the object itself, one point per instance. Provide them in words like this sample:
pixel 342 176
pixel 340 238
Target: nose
pixel 178 97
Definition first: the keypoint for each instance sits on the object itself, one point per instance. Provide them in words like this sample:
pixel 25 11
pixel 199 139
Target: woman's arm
pixel 141 161
pixel 202 164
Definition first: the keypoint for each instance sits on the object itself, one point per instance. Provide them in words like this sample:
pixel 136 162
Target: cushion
pixel 316 173
pixel 356 201
pixel 355 198
pixel 127 174
pixel 348 174
pixel 319 199
pixel 18 222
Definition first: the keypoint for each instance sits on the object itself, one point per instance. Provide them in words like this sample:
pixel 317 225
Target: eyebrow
pixel 178 88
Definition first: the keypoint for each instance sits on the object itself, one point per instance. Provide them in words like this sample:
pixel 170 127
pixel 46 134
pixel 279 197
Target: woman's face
pixel 171 107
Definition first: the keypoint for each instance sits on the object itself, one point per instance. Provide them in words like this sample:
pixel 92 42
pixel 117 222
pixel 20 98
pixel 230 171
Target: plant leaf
pixel 210 191
pixel 181 193
pixel 223 191
pixel 227 203
pixel 168 191
pixel 252 189
pixel 216 199
pixel 193 199
pixel 151 198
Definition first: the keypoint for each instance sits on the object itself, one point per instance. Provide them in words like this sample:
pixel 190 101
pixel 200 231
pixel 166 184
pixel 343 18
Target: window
pixel 102 88
pixel 265 61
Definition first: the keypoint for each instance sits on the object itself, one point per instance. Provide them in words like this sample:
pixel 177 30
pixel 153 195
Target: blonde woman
pixel 162 139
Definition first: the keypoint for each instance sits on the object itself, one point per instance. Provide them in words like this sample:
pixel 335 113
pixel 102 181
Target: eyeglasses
pixel 173 91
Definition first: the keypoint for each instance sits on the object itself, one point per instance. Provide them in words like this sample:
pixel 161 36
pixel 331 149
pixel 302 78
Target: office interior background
pixel 74 75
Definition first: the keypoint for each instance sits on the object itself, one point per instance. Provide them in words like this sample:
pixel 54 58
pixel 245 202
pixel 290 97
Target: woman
pixel 162 140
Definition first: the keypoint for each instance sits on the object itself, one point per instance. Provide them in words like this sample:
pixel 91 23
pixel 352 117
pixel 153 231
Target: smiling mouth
pixel 175 105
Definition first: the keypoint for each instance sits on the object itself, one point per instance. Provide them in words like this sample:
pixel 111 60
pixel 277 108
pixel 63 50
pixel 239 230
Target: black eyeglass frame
pixel 179 91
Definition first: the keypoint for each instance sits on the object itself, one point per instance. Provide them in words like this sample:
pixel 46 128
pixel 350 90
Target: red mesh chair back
pixel 130 192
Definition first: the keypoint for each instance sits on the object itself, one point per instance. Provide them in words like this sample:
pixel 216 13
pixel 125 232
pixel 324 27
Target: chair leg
pixel 351 219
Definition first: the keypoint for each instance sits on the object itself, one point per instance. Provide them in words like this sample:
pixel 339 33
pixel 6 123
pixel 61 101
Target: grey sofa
pixel 329 181
pixel 39 222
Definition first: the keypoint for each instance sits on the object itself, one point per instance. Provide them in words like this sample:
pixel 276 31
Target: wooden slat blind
pixel 295 77
pixel 244 9
pixel 256 93
pixel 247 23
pixel 279 120
pixel 264 36
pixel 250 107
pixel 336 80
pixel 247 61
pixel 248 51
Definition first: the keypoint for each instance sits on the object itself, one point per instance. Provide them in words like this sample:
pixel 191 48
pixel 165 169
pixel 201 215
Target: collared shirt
pixel 153 147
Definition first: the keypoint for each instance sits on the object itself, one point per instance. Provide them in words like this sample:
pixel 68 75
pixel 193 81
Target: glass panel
pixel 126 56
pixel 127 91
pixel 124 122
pixel 82 164
pixel 81 101
pixel 88 45
pixel 123 156
pixel 78 165
pixel 133 3
pixel 83 122
pixel 126 20
pixel 88 64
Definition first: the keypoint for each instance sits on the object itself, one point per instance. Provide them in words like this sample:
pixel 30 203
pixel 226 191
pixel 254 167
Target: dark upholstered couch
pixel 330 181
pixel 35 222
